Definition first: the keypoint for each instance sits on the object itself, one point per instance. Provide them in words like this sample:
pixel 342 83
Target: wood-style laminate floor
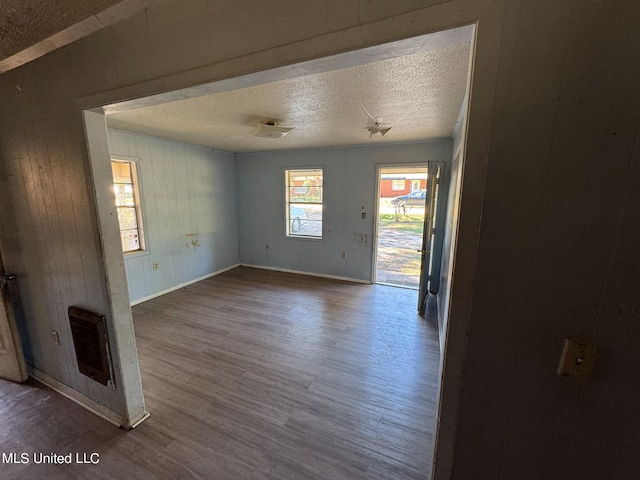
pixel 255 375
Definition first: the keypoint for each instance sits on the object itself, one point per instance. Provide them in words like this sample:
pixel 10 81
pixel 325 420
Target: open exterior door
pixel 433 176
pixel 12 365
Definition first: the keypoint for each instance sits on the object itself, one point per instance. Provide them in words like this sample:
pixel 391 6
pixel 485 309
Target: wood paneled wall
pixel 350 190
pixel 48 229
pixel 548 231
pixel 190 213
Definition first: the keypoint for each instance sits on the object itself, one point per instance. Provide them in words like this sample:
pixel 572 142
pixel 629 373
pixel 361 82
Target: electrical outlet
pixel 56 337
pixel 344 254
pixel 578 360
pixel 155 265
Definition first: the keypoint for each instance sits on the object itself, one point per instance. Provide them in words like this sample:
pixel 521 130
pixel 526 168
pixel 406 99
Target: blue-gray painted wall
pixel 189 212
pixel 349 189
pixel 206 210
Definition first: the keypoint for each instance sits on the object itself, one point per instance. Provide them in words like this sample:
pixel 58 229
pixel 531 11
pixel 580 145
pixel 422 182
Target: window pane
pixel 305 220
pixel 121 172
pixel 130 240
pixel 127 218
pixel 304 198
pixel 305 185
pixel 125 187
pixel 124 195
pixel 309 194
pixel 302 175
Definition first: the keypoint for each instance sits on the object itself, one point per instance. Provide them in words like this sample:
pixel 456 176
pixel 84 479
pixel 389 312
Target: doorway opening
pixel 400 225
pixel 406 221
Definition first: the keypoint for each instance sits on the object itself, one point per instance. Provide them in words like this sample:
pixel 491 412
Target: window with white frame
pixel 127 194
pixel 304 202
pixel 398 184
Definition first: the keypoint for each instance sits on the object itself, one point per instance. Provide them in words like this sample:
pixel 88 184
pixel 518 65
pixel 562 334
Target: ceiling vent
pixel 270 129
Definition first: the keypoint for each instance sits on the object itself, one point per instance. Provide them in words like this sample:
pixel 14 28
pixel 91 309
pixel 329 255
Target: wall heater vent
pixel 89 333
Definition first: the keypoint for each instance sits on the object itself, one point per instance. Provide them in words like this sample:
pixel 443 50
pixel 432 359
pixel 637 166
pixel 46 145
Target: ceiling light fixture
pixel 270 129
pixel 376 124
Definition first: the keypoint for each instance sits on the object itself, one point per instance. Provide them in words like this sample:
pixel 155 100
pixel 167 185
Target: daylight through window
pixel 304 202
pixel 125 185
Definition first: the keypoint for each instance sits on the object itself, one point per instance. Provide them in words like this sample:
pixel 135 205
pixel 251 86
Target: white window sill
pixel 137 253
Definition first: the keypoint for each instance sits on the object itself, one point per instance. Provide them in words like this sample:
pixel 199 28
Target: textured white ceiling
pixel 419 94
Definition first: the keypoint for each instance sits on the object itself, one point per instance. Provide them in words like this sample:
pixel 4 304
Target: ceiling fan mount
pixel 376 124
pixel 270 129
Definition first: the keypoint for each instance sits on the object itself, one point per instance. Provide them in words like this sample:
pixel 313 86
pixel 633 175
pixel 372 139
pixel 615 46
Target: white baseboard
pixel 142 419
pixel 312 274
pixel 182 285
pixel 82 400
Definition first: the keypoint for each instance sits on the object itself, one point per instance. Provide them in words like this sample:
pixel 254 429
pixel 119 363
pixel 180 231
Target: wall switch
pixel 578 360
pixel 155 265
pixel 56 337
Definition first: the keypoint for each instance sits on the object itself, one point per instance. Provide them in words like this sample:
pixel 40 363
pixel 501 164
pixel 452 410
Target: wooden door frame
pixel 11 346
pixel 487 19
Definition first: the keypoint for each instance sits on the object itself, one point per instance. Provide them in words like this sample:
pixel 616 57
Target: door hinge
pixel 433 231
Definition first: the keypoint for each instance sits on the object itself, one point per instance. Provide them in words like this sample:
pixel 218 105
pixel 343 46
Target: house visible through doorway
pixel 400 225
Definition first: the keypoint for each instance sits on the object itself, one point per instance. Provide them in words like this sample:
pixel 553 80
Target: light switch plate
pixel 578 360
